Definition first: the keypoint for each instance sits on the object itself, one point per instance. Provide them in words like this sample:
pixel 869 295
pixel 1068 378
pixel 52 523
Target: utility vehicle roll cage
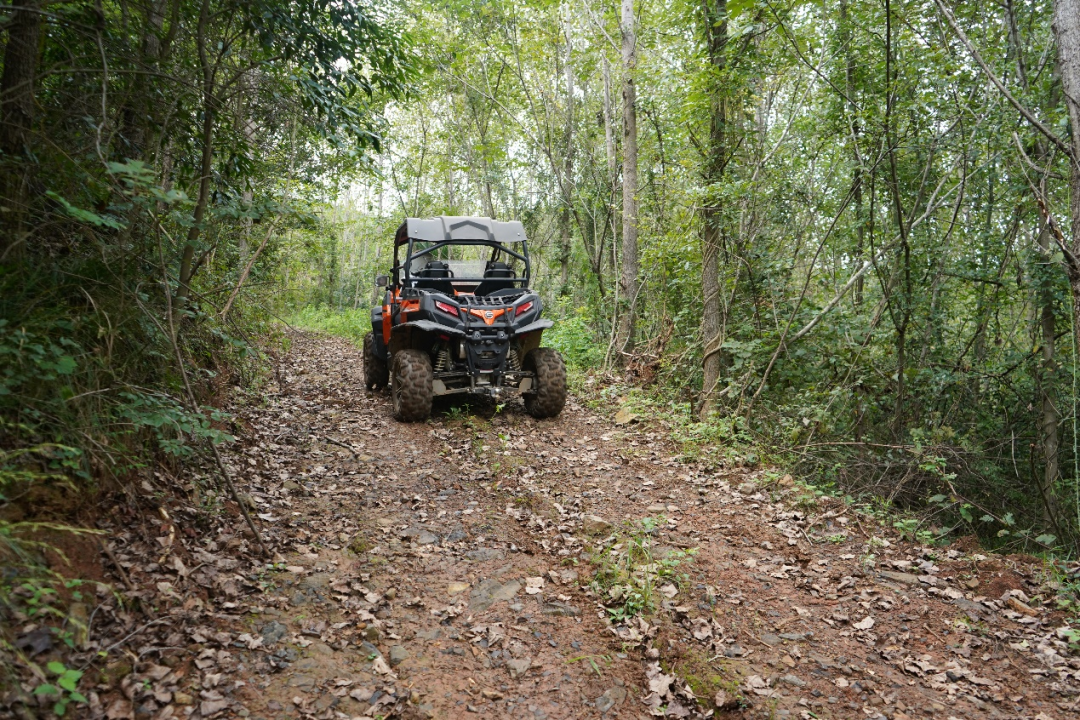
pixel 458 232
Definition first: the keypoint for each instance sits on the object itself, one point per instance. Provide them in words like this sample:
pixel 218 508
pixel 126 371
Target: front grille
pixel 486 301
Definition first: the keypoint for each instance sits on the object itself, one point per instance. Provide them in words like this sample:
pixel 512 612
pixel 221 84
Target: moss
pixel 359 545
pixel 705 679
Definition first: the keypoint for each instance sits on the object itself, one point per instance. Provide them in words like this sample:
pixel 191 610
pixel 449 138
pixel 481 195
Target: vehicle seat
pixel 435 276
pixel 497 276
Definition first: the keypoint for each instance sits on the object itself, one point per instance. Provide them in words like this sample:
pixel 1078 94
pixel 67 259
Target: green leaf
pixel 736 8
pixel 937 499
pixel 1046 539
pixel 57 667
pixel 59 708
pixel 986 519
pixel 78 697
pixel 68 683
pixel 86 215
pixel 65 365
pixel 46 689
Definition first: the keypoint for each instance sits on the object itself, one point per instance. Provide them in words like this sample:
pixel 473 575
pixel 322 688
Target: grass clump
pixel 631 572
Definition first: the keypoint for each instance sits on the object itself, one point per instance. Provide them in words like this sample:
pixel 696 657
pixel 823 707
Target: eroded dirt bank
pixel 443 569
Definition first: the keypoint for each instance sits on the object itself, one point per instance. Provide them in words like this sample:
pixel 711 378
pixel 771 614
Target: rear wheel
pixel 547 396
pixel 376 374
pixel 410 384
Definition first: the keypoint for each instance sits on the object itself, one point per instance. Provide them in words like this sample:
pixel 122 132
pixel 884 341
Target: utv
pixel 458 318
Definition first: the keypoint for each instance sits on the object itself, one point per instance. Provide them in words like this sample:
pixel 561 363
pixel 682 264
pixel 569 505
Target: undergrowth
pixel 96 394
pixel 352 325
pixel 631 569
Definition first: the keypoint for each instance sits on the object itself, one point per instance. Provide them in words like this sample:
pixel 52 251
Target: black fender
pixel 534 326
pixel 401 335
pixel 429 326
pixel 376 331
pixel 529 336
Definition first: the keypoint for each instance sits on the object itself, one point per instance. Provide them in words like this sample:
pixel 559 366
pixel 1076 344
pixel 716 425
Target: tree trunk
pixel 567 184
pixel 628 283
pixel 900 309
pixel 187 259
pixel 856 173
pixel 248 128
pixel 138 117
pixel 1067 35
pixel 16 116
pixel 613 172
pixel 609 123
pixel 715 22
pixel 1049 416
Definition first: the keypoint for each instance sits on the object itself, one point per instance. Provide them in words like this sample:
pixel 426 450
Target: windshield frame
pixel 497 248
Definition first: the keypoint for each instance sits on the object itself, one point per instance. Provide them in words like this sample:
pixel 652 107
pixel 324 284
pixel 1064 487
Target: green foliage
pixel 350 324
pixel 175 428
pixel 628 572
pixel 574 336
pixel 64 689
pixel 134 279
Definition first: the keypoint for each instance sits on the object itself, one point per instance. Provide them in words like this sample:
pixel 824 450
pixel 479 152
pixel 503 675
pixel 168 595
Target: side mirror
pixel 381 281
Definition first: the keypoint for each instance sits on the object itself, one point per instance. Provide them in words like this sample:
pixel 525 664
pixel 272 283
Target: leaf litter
pixel 443 569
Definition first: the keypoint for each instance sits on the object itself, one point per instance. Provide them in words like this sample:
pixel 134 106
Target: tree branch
pixel 1035 122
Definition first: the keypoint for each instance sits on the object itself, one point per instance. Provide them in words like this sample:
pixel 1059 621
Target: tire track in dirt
pixel 443 570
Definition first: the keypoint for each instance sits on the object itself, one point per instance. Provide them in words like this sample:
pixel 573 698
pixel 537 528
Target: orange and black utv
pixel 458 317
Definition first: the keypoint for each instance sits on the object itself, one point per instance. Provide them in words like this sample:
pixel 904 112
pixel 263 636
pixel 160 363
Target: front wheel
pixel 411 385
pixel 548 393
pixel 376 374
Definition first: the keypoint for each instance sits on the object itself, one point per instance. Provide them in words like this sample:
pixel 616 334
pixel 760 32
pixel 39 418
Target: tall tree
pixel 566 185
pixel 16 115
pixel 1067 35
pixel 715 23
pixel 628 283
pixel 1047 323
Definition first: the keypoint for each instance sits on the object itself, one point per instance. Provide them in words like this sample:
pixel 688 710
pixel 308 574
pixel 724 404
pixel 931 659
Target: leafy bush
pixel 576 338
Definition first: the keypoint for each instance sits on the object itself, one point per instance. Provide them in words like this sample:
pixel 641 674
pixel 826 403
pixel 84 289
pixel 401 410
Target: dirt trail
pixel 442 570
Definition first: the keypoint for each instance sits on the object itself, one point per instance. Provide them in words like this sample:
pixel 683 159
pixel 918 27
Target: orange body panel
pixel 488 316
pixel 387 322
pixel 409 306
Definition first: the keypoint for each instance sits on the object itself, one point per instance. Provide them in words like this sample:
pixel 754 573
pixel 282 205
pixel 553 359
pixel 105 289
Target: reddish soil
pixel 436 514
pixel 446 569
